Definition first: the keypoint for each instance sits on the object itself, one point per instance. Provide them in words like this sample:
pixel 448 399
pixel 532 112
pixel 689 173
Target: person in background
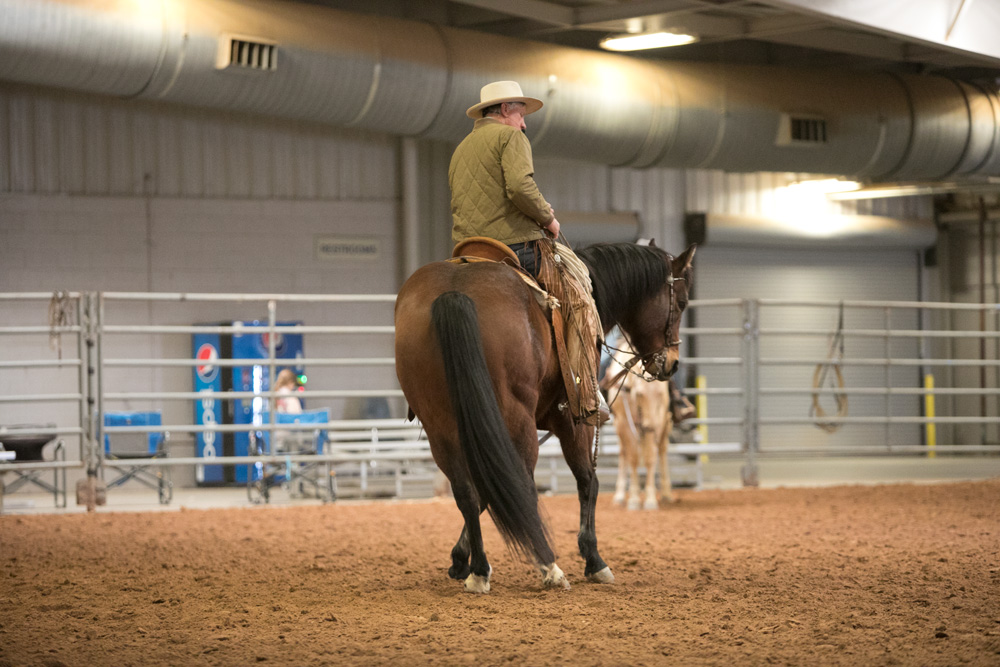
pixel 286 385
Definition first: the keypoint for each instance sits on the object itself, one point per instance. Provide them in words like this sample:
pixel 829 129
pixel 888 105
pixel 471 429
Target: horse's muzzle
pixel 659 368
pixel 667 373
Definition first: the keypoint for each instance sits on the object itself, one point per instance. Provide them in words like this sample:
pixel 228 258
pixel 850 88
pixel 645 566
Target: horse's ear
pixel 683 263
pixel 652 243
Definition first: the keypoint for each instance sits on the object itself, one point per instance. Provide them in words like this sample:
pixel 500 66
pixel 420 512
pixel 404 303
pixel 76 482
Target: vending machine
pixel 247 341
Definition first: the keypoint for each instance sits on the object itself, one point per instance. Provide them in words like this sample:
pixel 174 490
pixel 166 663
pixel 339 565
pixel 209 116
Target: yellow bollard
pixel 929 413
pixel 701 403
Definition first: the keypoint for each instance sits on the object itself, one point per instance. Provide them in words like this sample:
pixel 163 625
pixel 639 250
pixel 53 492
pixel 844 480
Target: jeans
pixel 527 254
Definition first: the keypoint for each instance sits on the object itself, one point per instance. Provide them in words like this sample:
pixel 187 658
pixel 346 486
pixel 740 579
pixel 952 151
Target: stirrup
pixel 602 408
pixel 599 416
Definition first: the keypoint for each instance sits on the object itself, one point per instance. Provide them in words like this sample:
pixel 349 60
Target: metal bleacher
pixel 390 458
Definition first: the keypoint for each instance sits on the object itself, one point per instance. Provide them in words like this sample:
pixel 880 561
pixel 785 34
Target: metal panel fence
pixel 770 378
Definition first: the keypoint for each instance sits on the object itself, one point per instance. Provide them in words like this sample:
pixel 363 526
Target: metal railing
pixel 750 367
pixel 889 365
pixel 34 349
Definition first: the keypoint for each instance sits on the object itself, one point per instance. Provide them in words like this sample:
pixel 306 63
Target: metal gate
pixel 769 377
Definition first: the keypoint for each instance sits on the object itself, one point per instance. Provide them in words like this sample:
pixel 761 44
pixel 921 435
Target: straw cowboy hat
pixel 502 91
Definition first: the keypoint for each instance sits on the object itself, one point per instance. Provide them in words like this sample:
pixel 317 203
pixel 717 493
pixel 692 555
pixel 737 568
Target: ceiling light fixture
pixel 970 185
pixel 646 40
pixel 825 186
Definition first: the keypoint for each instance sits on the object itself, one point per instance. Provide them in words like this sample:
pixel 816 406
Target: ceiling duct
pixel 416 79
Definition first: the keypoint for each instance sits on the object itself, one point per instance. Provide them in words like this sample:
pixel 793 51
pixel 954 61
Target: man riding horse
pixel 480 357
pixel 494 195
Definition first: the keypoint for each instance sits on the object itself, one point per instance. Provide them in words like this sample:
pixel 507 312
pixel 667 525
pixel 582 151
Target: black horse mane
pixel 623 275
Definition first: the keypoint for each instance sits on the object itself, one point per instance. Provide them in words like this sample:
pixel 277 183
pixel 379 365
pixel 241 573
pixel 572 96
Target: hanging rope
pixel 823 375
pixel 60 315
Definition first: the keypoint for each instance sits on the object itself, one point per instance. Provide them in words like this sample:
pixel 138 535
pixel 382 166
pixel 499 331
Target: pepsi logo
pixel 207 372
pixel 279 341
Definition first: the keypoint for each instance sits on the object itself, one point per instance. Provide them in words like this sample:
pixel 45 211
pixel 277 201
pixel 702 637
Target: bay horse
pixel 477 362
pixel 643 419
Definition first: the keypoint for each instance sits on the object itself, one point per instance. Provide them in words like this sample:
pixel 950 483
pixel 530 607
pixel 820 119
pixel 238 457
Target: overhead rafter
pixel 639 8
pixel 843 41
pixel 582 17
pixel 536 10
pixel 965 27
pixel 693 23
pixel 762 28
pixel 938 33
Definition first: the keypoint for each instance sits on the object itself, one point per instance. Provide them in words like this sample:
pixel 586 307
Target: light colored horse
pixel 643 420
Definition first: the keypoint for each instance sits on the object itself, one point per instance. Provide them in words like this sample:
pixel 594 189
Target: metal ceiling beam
pixel 689 22
pixel 569 17
pixel 536 10
pixel 780 25
pixel 638 8
pixel 843 41
pixel 679 13
pixel 965 27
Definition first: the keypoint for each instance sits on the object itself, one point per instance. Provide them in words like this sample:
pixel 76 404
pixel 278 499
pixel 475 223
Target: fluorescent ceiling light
pixel 969 185
pixel 646 40
pixel 826 186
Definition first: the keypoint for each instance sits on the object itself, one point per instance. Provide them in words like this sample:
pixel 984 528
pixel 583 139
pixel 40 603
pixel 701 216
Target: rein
pixel 628 417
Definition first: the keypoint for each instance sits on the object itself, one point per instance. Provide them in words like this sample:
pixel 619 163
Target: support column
pixel 751 384
pixel 410 205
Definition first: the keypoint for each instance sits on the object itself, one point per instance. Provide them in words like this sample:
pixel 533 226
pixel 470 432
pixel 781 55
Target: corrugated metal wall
pixel 64 143
pixel 657 195
pixel 54 142
pixel 663 196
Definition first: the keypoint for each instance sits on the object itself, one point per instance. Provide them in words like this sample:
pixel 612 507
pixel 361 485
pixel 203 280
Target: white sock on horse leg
pixel 553 577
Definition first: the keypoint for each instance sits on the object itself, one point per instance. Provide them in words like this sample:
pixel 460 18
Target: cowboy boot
pixel 679 404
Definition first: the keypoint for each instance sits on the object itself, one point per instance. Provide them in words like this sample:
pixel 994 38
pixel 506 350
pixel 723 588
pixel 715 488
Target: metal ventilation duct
pixel 411 78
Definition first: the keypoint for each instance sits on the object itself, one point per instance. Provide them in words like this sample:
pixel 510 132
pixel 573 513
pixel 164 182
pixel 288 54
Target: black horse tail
pixel 498 473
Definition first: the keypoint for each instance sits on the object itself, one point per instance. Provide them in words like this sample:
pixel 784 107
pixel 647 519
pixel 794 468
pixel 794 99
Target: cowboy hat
pixel 502 91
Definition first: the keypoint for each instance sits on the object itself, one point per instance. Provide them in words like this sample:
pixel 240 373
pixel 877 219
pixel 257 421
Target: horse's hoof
pixel 553 577
pixel 458 573
pixel 477 584
pixel 651 504
pixel 633 504
pixel 618 500
pixel 602 576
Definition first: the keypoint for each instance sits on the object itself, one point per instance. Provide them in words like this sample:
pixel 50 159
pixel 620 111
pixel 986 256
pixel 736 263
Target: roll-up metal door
pixel 809 274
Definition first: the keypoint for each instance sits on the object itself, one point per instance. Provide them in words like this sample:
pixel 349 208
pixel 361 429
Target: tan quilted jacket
pixel 493 190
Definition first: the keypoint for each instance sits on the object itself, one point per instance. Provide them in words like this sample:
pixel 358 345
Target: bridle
pixel 660 356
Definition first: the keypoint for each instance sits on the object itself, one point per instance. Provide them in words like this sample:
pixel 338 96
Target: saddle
pixel 485 249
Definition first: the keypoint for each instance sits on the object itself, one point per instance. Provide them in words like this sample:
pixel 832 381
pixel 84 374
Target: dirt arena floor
pixel 888 575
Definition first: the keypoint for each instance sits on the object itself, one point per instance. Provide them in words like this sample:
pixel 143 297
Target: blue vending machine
pixel 248 344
